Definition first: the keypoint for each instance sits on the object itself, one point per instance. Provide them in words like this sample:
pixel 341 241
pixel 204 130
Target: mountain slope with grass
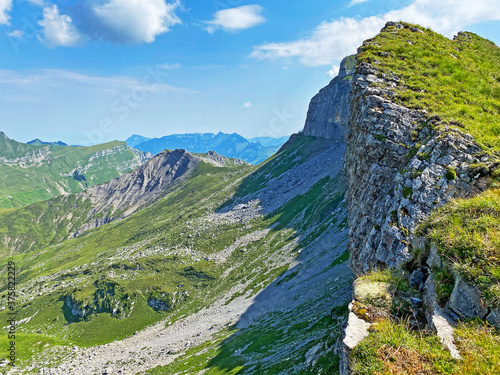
pixel 67 216
pixel 219 262
pixel 36 172
pixel 232 268
pixel 366 245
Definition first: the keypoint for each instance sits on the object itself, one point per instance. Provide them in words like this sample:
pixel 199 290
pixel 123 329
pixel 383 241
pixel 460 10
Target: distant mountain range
pixel 39 142
pixel 269 142
pixel 254 150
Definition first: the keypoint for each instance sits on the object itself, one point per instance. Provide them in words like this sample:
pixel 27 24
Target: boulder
pixel 466 300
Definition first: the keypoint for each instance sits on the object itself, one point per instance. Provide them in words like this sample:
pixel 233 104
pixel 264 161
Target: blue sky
pixel 98 70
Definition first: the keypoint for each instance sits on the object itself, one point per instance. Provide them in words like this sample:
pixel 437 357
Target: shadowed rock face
pixel 328 113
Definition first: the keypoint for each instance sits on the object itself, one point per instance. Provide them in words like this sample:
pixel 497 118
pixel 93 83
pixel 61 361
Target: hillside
pixel 33 173
pixel 63 217
pixel 368 244
pixel 219 258
pixel 228 145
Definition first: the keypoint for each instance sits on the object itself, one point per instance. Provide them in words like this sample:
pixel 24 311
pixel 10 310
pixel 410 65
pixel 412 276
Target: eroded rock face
pixel 329 110
pixel 125 195
pixel 399 168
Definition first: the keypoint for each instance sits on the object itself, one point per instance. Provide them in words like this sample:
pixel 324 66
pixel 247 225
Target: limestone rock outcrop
pixel 400 165
pixel 329 110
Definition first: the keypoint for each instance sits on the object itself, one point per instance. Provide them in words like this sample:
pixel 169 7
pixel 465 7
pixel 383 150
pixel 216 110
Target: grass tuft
pixel 467 233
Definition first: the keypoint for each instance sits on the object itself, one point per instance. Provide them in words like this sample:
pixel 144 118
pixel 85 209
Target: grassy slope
pixel 139 255
pixel 467 233
pixel 231 352
pixel 30 183
pixel 41 224
pixel 392 348
pixel 458 79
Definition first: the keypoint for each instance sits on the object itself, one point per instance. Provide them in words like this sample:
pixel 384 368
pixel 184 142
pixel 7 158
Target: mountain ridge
pixel 229 145
pixel 35 173
pixel 101 204
pixel 38 142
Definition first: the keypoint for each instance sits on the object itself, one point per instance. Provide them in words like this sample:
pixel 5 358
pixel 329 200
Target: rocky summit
pixel 368 244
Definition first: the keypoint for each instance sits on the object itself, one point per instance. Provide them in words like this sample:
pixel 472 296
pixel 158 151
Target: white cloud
pixel 16 34
pixel 238 18
pixel 330 42
pixel 58 29
pixel 136 21
pixel 168 66
pixel 334 71
pixel 39 3
pixel 354 2
pixel 247 105
pixel 41 80
pixel 333 40
pixel 5 7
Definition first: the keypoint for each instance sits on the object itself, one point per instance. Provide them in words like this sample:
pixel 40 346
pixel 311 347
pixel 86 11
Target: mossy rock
pixel 374 293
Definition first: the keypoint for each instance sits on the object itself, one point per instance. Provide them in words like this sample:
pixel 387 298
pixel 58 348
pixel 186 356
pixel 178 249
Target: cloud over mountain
pixel 58 29
pixel 135 21
pixel 234 19
pixel 332 40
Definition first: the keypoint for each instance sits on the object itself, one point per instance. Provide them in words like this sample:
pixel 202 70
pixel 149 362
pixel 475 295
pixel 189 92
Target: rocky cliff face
pixel 328 113
pixel 400 164
pixel 127 194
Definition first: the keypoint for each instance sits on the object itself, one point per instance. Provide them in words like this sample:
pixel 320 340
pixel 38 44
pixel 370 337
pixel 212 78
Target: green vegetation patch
pixel 383 293
pixel 61 169
pixel 458 80
pixel 451 174
pixel 467 233
pixel 394 348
